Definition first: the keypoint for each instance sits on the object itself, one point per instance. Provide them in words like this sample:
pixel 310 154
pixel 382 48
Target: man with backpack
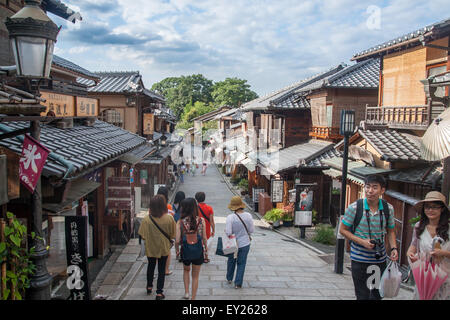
pixel 206 212
pixel 365 224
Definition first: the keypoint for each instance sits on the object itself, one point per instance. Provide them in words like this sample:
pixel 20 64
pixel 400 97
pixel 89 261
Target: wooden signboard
pixel 61 105
pixel 77 263
pixel 148 123
pixel 277 187
pixel 86 107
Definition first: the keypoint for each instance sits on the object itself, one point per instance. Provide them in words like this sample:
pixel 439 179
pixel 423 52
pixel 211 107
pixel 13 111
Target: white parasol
pixel 436 140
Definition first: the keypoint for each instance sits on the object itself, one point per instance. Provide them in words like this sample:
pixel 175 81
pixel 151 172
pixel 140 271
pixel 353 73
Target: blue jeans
pixel 241 262
pixel 182 178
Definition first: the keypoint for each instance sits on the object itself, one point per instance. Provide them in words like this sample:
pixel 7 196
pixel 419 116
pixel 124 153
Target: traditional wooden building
pixel 388 140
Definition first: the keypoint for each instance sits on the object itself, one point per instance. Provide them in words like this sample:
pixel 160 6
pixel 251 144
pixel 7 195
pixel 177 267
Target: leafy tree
pixel 193 111
pixel 184 90
pixel 232 92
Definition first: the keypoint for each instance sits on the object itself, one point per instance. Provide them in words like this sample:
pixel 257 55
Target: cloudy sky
pixel 270 43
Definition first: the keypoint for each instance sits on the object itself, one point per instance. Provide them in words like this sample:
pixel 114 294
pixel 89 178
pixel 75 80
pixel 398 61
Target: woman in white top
pixel 240 224
pixel 433 226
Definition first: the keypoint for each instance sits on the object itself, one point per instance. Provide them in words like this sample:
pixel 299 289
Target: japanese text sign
pixel 32 162
pixel 77 264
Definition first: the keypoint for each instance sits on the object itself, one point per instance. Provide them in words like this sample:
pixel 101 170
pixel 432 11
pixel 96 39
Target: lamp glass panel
pixel 31 54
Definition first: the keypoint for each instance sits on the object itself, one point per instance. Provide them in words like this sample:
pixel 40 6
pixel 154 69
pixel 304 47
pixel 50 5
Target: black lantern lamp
pixel 33 35
pixel 347 127
pixel 347 122
pixel 163 140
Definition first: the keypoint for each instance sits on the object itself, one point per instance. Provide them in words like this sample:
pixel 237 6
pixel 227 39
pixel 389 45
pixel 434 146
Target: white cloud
pixel 269 43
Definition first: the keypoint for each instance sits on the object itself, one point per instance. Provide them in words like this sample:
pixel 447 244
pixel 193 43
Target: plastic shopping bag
pixel 390 281
pixel 229 244
pixel 209 242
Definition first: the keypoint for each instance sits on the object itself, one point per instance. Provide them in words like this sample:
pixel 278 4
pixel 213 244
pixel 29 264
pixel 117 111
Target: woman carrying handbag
pixel 240 224
pixel 157 230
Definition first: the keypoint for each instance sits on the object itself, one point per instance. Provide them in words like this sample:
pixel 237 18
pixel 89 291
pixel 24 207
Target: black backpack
pixel 360 211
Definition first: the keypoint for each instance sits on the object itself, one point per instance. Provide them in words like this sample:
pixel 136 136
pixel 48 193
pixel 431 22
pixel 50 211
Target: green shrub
pixel 414 220
pixel 243 183
pixel 235 180
pixel 325 234
pixel 315 217
pixel 335 191
pixel 274 215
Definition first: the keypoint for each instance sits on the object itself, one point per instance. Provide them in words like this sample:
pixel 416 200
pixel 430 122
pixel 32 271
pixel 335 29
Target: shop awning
pixel 249 164
pixel 336 174
pixel 77 189
pixel 137 154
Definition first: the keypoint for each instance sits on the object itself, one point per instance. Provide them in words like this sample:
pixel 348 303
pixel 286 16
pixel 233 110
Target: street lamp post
pixel 346 129
pixel 33 35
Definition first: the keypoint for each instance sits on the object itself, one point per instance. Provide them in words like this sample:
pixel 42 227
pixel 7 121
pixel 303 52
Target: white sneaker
pixel 186 296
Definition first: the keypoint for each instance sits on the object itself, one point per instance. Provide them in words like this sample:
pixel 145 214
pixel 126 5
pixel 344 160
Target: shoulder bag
pixel 162 231
pixel 245 226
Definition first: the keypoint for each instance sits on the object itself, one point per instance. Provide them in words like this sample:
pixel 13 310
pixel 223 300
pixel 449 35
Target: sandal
pixel 161 296
pixel 206 260
pixel 149 290
pixel 169 273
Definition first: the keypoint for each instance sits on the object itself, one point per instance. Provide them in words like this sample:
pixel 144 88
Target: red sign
pixel 32 162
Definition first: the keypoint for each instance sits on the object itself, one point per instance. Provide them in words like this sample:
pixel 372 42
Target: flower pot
pixel 288 223
pixel 276 224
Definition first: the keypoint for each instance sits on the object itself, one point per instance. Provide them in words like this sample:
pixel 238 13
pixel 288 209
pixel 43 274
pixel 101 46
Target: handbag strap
pixel 245 226
pixel 161 230
pixel 203 214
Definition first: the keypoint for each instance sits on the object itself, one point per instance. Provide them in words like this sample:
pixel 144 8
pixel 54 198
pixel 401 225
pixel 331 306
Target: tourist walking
pixel 204 167
pixel 179 196
pixel 207 213
pixel 365 224
pixel 432 228
pixel 164 191
pixel 240 224
pixel 191 244
pixel 157 229
pixel 182 172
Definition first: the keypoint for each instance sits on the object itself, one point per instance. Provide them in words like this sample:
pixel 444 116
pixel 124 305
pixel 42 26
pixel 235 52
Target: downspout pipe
pixel 51 155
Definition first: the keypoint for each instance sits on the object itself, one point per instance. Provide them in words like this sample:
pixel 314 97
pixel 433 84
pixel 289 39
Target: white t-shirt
pixel 235 226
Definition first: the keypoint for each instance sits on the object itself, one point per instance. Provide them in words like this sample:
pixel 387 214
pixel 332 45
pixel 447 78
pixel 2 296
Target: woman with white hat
pixel 433 228
pixel 240 223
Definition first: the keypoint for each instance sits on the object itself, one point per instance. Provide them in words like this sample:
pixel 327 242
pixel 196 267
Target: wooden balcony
pixel 410 117
pixel 323 132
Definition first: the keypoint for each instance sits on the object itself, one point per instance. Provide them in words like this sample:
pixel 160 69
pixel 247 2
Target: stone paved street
pixel 277 267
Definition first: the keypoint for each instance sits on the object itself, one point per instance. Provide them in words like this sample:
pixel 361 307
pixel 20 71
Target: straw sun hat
pixel 431 197
pixel 236 203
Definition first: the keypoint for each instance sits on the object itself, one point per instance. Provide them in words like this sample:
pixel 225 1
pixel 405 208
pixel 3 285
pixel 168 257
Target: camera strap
pixel 368 221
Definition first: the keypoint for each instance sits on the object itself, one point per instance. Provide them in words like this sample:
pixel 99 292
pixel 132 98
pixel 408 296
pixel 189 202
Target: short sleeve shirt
pixel 208 211
pixel 358 252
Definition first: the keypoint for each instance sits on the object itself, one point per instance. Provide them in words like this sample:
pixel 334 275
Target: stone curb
pixel 127 281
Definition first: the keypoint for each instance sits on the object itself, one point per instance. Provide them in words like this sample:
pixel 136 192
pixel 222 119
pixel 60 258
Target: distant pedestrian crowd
pixel 187 225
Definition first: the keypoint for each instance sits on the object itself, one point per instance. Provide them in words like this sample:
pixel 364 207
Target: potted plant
pixel 288 215
pixel 274 216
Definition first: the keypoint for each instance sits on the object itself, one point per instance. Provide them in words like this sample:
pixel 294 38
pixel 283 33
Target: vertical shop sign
pixel 31 162
pixel 76 249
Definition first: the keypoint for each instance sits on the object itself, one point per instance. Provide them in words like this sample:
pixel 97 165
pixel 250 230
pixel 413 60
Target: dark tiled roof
pixel 393 145
pixel 365 74
pixel 409 36
pixel 362 75
pixel 294 101
pixel 82 146
pixel 419 174
pixel 318 160
pixel 66 64
pixel 274 98
pixel 119 82
pixel 294 156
